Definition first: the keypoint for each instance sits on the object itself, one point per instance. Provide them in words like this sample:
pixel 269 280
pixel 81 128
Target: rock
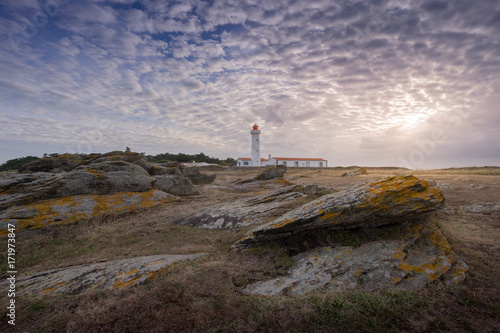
pixel 99 178
pixel 355 172
pixel 482 208
pixel 176 185
pixel 57 163
pixel 129 157
pixel 373 204
pixel 249 211
pixel 446 186
pixel 68 162
pixel 158 170
pixel 272 172
pixel 198 178
pixel 419 255
pixel 115 274
pixel 22 189
pixel 74 208
pixel 476 186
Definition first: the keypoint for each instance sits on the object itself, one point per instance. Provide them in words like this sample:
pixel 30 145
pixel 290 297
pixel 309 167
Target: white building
pixel 256 160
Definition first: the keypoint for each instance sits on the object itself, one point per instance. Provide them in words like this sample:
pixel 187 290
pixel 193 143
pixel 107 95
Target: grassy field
pixel 204 295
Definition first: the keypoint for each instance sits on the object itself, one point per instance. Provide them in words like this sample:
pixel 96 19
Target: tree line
pixel 16 163
pixel 185 158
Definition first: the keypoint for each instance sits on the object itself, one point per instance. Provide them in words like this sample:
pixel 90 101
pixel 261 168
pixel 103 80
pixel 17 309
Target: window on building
pixel 245 163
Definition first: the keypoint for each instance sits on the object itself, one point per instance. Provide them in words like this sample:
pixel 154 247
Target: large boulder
pixel 100 178
pixel 248 211
pixel 373 204
pixel 115 274
pixel 176 185
pixel 272 172
pixel 196 177
pixel 415 255
pixel 57 163
pixel 73 208
pixel 129 157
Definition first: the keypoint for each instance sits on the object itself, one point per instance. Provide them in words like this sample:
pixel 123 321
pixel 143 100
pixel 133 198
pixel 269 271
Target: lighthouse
pixel 255 145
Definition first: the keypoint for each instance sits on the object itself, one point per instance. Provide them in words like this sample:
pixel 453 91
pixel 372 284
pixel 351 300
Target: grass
pixel 205 295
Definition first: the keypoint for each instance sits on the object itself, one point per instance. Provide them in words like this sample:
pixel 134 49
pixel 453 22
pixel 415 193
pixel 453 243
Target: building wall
pixel 241 163
pixel 297 163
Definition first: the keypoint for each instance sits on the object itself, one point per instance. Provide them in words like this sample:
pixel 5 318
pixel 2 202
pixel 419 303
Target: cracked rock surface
pixel 420 255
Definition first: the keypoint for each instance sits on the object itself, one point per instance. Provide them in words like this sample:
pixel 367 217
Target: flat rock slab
pixel 71 209
pixel 245 212
pixel 108 275
pixel 420 256
pixel 483 208
pixel 373 204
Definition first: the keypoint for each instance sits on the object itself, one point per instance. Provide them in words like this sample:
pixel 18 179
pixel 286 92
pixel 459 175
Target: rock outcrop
pixel 249 211
pixel 415 255
pixel 176 185
pixel 57 163
pixel 73 208
pixel 355 172
pixel 94 277
pixel 373 204
pixel 478 207
pixel 65 188
pixel 272 172
pixel 196 177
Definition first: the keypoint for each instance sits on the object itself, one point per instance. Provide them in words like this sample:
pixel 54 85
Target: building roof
pixel 298 159
pixel 249 159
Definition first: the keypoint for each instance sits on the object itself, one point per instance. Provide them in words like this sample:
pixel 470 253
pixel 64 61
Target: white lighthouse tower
pixel 255 146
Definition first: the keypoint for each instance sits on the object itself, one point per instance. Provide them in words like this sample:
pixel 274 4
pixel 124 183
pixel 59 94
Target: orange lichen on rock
pixel 74 208
pixel 373 204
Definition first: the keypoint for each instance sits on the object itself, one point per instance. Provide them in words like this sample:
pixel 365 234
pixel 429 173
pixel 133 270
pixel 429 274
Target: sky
pixel 410 83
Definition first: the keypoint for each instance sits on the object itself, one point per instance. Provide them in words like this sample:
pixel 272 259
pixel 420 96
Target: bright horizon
pixel 370 83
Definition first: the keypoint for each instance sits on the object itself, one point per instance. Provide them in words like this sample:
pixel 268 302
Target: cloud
pixel 353 82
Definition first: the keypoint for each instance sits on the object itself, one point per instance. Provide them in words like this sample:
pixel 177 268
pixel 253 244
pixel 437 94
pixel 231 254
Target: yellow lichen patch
pixel 331 216
pixel 403 191
pixel 459 272
pixel 95 172
pixel 436 265
pixel 75 208
pixel 358 272
pixel 399 254
pixel 153 274
pixel 123 282
pixel 282 181
pixel 283 223
pixel 56 285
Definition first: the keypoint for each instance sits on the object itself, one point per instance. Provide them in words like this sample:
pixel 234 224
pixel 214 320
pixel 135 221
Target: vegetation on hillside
pixel 184 158
pixel 16 163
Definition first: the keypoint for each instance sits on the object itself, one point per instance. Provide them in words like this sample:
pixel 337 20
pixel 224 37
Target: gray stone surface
pixel 272 172
pixel 373 204
pixel 100 178
pixel 94 277
pixel 249 211
pixel 71 209
pixel 176 185
pixel 196 177
pixel 482 208
pixel 421 255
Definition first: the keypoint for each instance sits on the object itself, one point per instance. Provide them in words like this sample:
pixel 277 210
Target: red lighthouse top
pixel 255 127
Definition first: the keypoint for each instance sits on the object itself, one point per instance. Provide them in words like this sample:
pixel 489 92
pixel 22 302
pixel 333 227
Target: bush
pixel 17 163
